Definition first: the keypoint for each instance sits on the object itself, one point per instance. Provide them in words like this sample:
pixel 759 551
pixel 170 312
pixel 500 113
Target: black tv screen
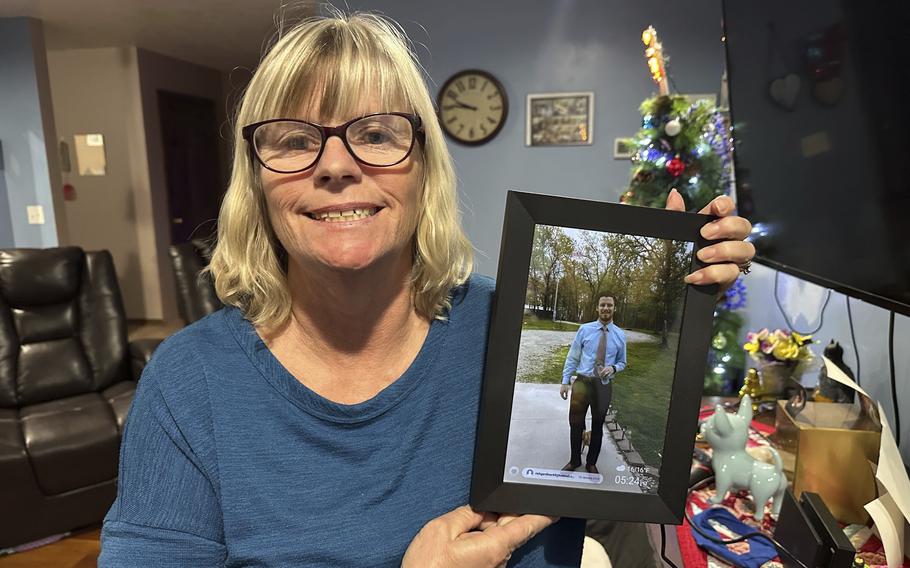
pixel 820 104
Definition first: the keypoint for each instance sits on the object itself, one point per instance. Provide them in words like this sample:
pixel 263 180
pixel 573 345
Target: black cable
pixel 853 339
pixel 756 534
pixel 821 315
pixel 897 416
pixel 663 546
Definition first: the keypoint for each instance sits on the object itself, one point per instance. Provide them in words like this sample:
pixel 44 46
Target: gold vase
pixel 775 377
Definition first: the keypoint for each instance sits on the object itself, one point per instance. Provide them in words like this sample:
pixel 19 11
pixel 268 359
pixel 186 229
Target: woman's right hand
pixel 464 537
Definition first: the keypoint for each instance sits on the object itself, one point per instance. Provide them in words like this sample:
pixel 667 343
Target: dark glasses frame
pixel 417 133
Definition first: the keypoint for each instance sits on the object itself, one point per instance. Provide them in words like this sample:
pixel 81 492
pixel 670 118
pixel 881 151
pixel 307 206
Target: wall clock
pixel 473 106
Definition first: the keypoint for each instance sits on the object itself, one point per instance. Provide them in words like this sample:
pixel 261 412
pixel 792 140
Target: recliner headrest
pixel 36 277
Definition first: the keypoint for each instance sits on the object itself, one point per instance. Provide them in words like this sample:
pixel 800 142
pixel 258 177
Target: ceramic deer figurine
pixel 734 468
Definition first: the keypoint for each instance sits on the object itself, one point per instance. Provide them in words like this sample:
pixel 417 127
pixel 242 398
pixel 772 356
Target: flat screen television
pixel 820 104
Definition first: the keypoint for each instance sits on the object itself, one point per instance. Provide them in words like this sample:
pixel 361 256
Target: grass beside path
pixel 641 393
pixel 531 322
pixel 551 370
pixel 641 397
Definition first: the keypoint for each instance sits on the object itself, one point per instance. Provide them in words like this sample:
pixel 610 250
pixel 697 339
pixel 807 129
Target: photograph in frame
pixel 611 336
pixel 627 337
pixel 560 119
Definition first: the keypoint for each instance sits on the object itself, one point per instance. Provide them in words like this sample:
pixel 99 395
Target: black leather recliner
pixel 196 296
pixel 67 378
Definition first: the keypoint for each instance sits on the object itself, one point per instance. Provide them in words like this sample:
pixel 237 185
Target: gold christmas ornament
pixel 719 341
pixel 752 387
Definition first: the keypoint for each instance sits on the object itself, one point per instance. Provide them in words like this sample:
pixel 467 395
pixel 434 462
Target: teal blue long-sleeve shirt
pixel 583 352
pixel 228 460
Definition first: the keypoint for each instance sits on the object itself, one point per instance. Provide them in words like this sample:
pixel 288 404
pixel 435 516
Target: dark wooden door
pixel 190 134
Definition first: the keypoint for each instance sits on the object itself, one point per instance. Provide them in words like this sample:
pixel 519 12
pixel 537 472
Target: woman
pixel 326 417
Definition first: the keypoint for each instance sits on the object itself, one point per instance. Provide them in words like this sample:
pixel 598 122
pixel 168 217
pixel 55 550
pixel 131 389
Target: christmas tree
pixel 687 146
pixel 726 359
pixel 681 144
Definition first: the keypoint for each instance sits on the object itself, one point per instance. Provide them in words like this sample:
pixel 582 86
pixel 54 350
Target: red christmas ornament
pixel 675 167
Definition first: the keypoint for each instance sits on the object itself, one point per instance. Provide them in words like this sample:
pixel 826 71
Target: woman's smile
pixel 341 216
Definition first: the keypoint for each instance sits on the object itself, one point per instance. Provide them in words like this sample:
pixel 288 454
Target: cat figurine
pixel 830 390
pixel 734 468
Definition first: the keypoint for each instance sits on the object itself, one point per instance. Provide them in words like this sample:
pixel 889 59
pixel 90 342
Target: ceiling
pixel 223 34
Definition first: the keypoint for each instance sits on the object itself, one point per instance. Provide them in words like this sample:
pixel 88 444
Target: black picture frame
pixel 489 491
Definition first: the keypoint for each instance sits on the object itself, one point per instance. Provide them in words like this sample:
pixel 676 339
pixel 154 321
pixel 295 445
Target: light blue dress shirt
pixel 583 351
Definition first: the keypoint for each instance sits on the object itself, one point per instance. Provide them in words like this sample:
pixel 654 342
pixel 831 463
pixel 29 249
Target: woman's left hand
pixel 724 257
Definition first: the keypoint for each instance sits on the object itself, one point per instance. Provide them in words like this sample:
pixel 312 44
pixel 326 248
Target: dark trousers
pixel 588 391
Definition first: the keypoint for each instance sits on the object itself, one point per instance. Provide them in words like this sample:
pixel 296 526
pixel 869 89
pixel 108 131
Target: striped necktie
pixel 601 349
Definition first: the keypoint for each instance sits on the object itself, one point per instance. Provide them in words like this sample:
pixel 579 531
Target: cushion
pixel 72 442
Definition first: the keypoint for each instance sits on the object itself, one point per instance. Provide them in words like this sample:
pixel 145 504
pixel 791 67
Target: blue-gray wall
pixel 26 178
pixel 559 45
pixel 6 225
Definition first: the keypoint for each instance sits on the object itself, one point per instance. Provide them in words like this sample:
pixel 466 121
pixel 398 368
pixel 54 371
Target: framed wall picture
pixel 90 157
pixel 709 98
pixel 595 362
pixel 560 119
pixel 623 148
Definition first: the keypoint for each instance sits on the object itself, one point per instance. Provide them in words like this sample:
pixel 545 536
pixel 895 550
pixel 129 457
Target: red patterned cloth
pixel 692 555
pixel 873 552
pixel 868 547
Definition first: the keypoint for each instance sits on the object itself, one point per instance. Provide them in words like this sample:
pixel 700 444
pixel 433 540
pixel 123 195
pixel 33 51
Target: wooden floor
pixel 142 329
pixel 79 550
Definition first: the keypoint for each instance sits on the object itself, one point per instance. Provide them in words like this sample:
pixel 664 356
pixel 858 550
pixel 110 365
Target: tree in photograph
pixel 594 263
pixel 626 260
pixel 654 271
pixel 551 248
pixel 671 265
pixel 570 296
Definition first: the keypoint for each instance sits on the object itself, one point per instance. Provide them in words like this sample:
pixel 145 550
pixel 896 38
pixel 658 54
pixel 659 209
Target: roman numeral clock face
pixel 472 107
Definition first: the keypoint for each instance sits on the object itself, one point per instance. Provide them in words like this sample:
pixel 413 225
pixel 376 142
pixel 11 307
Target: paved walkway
pixel 539 445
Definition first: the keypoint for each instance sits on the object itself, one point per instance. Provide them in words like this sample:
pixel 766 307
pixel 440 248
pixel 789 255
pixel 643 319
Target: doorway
pixel 189 132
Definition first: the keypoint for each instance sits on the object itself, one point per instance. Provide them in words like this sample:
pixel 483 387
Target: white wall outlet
pixel 35 215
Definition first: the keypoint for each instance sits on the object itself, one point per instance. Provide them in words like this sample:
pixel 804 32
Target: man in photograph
pixel 597 354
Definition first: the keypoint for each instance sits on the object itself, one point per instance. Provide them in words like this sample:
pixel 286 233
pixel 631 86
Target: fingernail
pixel 709 230
pixel 706 254
pixel 693 278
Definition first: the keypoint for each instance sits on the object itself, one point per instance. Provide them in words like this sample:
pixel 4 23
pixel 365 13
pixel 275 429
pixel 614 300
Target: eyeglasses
pixel 288 146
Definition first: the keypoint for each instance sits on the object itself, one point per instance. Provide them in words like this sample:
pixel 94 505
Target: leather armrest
pixel 140 352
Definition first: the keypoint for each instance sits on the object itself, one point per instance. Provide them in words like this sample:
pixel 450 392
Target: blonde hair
pixel 334 62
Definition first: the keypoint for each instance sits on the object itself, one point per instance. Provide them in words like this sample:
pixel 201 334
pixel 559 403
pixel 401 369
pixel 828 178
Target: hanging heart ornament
pixel 785 90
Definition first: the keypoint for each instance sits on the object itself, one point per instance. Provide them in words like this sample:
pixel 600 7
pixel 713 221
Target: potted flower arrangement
pixel 780 354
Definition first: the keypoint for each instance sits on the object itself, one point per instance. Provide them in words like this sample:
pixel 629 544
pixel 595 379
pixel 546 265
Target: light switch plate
pixel 35 215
